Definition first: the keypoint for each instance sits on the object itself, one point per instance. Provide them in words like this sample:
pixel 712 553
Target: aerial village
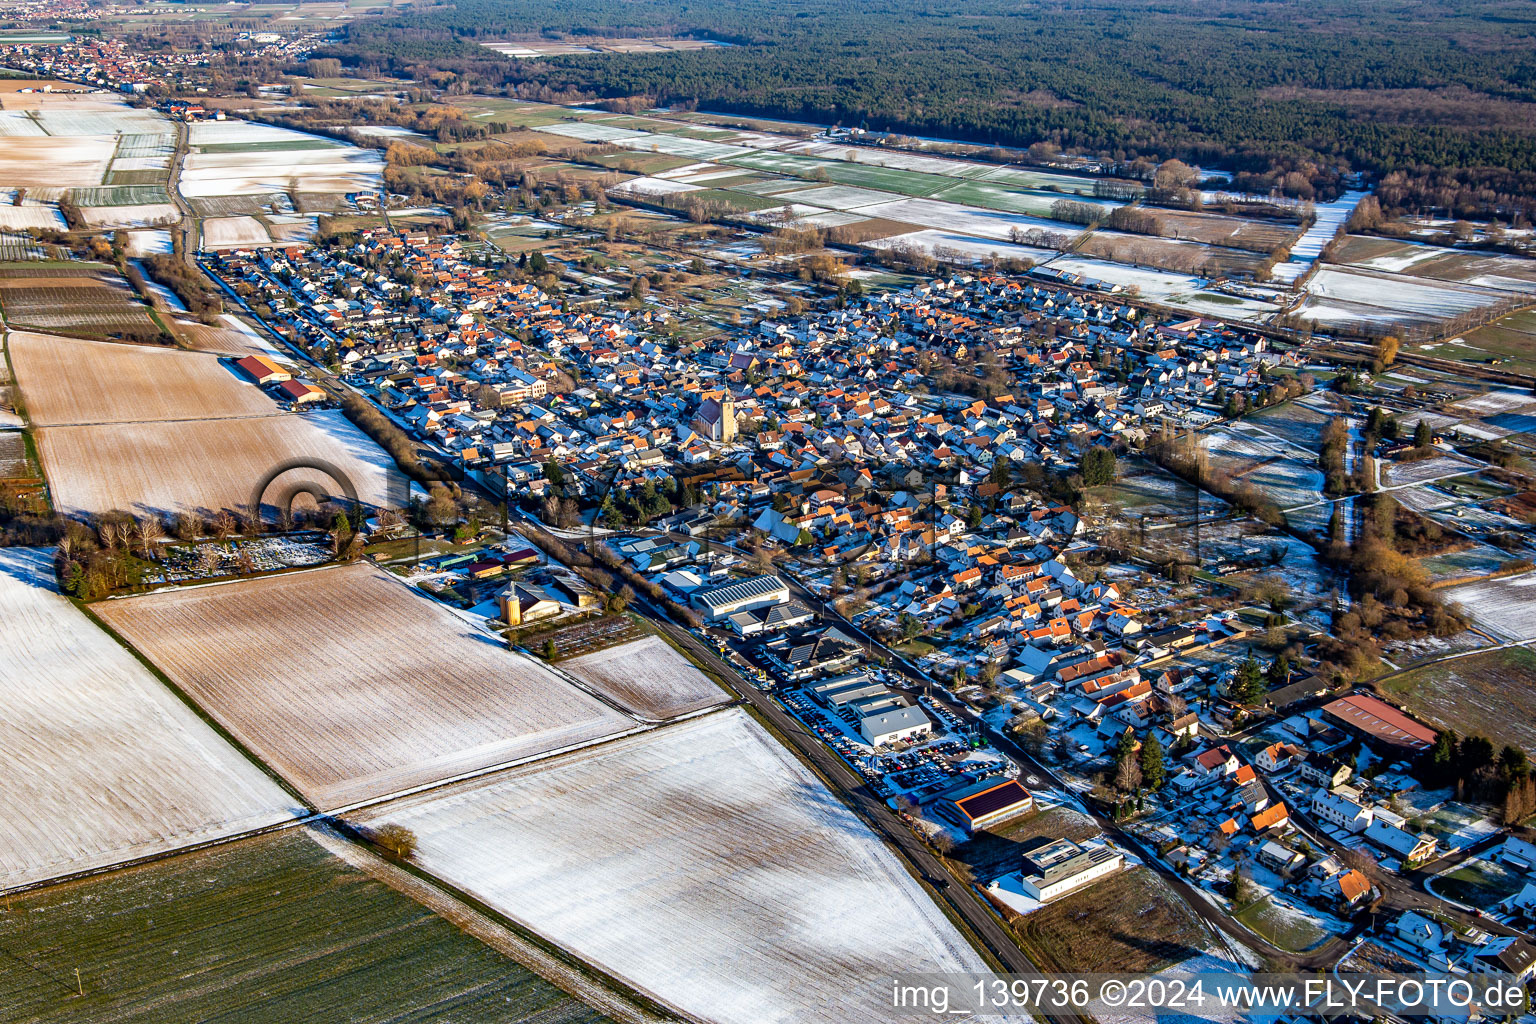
pixel 1161 639
pixel 896 562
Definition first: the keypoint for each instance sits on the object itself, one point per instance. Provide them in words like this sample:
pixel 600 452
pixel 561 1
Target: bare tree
pixel 188 526
pixel 149 533
pixel 397 840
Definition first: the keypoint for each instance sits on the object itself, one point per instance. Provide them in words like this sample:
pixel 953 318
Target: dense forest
pixel 1251 85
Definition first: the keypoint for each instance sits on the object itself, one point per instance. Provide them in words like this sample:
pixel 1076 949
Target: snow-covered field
pixel 647 677
pixel 240 158
pixel 351 686
pixel 968 246
pixel 75 380
pixel 838 197
pixel 1396 296
pixel 1504 607
pixel 20 218
pixel 102 762
pixel 57 161
pixel 233 232
pixel 139 216
pixel 207 463
pixel 1395 473
pixel 700 863
pixel 149 242
pixel 653 187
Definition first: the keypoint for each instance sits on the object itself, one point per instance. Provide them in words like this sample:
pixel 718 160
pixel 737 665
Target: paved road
pixel 188 223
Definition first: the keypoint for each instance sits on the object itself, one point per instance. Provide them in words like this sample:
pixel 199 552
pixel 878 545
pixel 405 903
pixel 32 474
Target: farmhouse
pixel 262 370
pixel 1059 866
pixel 1379 723
pixel 894 726
pixel 985 803
pixel 727 599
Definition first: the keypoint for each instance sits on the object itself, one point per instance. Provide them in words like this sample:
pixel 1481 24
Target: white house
pixel 1419 932
pixel 1340 810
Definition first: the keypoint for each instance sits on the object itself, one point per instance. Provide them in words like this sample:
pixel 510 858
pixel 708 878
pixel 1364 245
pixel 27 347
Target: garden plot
pixel 648 677
pixel 1504 607
pixel 56 162
pixel 351 686
pixel 13 455
pixel 292 926
pixel 118 195
pixel 206 465
pixel 71 297
pixel 72 381
pixel 102 763
pixel 1472 562
pixel 700 863
pixel 144 216
pixel 234 232
pixel 1287 482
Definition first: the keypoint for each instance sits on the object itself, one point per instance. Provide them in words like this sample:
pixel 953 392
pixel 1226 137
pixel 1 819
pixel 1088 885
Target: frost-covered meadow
pixel 350 686
pixel 700 863
pixel 102 762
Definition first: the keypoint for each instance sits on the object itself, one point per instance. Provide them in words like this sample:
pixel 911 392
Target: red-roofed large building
pixel 1378 722
pixel 986 803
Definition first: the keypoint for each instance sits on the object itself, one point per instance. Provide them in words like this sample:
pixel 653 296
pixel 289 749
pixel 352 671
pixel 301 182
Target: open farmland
pixel 648 677
pixel 233 339
pixel 233 232
pixel 1492 693
pixel 74 381
pixel 50 162
pixel 73 299
pixel 1337 295
pixel 1505 607
pixel 103 763
pixel 207 464
pixel 273 928
pixel 242 158
pixel 616 855
pixel 351 686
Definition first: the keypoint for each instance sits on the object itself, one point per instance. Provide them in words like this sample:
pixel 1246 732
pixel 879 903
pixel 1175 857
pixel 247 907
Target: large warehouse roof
pixel 740 590
pixel 1381 721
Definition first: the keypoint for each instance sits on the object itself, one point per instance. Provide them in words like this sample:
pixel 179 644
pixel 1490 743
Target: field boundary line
pixel 490 928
